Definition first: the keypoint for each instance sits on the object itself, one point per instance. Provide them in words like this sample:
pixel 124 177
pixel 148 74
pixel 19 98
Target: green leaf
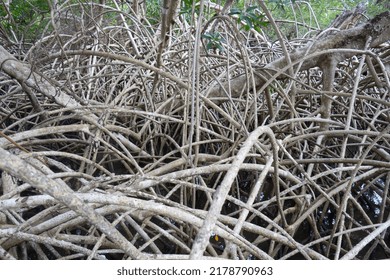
pixel 251 9
pixel 207 36
pixel 235 11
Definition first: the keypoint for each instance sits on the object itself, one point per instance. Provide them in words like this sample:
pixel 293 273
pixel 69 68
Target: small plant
pixel 250 18
pixel 213 41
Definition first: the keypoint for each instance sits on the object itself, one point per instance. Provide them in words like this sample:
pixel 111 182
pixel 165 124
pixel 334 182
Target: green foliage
pixel 281 4
pixel 187 6
pixel 153 10
pixel 213 41
pixel 376 7
pixel 250 18
pixel 324 11
pixel 26 18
